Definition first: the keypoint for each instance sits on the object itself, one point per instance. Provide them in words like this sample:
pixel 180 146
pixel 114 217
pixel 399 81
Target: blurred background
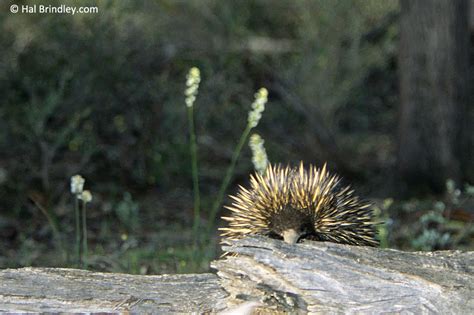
pixel 381 90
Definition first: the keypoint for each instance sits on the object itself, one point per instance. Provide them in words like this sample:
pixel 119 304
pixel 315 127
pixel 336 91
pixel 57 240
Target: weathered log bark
pixel 320 277
pixel 311 277
pixel 72 290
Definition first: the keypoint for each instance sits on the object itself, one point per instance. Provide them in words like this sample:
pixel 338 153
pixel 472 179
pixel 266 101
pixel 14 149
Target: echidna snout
pixel 291 225
pixel 294 203
pixel 291 236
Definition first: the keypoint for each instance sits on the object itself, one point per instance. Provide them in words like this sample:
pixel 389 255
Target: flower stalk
pixel 258 106
pixel 86 197
pixel 77 189
pixel 77 186
pixel 192 86
pixel 259 155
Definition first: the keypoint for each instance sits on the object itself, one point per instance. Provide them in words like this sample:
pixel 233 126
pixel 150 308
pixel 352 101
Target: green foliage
pixel 101 95
pixel 431 236
pixel 428 224
pixel 98 94
pixel 383 221
pixel 127 211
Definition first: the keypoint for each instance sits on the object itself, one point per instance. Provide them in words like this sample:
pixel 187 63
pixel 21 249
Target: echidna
pixel 294 203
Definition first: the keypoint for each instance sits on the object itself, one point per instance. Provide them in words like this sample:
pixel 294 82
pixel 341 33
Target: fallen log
pixel 318 277
pixel 72 290
pixel 312 277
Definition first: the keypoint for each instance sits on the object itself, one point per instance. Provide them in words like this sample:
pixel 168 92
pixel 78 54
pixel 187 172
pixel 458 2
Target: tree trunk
pixel 434 87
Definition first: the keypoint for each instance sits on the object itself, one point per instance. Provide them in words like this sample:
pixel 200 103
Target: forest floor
pixel 153 235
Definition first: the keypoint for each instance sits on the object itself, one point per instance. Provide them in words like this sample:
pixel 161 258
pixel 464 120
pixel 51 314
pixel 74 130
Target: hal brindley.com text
pixel 60 9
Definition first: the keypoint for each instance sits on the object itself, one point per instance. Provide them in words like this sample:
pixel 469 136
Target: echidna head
pixel 290 224
pixel 294 204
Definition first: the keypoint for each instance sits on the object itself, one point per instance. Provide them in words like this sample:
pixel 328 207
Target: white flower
pixel 259 155
pixel 192 83
pixel 85 196
pixel 258 106
pixel 77 184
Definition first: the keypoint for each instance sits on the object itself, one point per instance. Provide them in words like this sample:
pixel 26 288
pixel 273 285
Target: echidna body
pixel 297 203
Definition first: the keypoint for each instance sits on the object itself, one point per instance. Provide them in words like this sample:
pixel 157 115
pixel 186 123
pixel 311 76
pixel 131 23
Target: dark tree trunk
pixel 434 88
